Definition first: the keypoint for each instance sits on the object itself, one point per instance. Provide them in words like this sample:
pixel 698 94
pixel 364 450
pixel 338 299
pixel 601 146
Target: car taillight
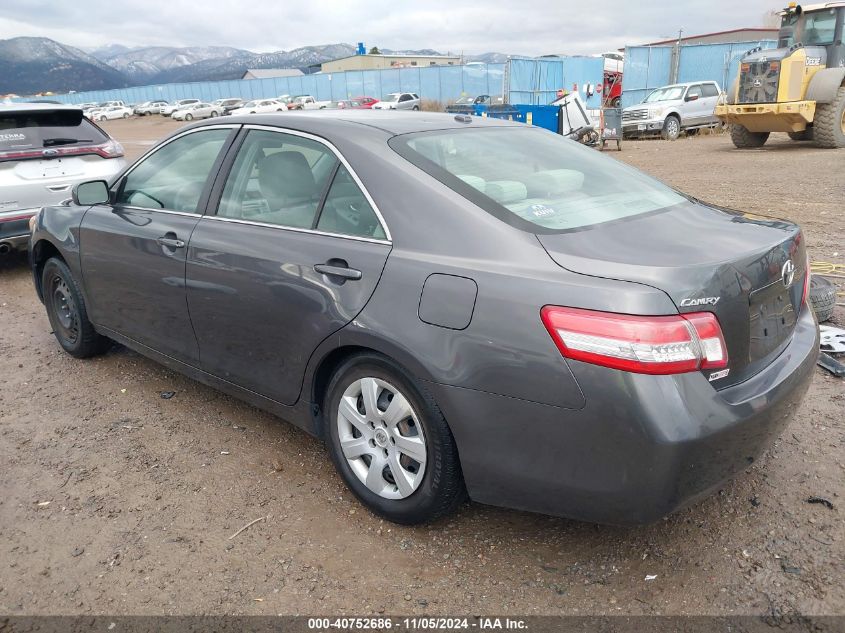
pixel 806 291
pixel 642 344
pixel 109 149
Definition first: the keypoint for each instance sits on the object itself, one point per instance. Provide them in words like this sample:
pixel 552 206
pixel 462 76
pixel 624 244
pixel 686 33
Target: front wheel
pixel 416 108
pixel 743 138
pixel 189 117
pixel 67 312
pixel 125 115
pixel 213 113
pixel 390 442
pixel 671 128
pixel 829 124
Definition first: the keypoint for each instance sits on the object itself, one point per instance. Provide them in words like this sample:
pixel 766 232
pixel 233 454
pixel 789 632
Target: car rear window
pixel 36 129
pixel 533 179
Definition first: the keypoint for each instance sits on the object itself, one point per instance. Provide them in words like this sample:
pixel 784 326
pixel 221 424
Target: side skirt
pixel 299 414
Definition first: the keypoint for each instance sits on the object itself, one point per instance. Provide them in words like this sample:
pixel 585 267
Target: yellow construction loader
pixel 797 88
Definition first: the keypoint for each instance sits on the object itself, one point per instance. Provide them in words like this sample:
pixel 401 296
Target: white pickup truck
pixel 307 102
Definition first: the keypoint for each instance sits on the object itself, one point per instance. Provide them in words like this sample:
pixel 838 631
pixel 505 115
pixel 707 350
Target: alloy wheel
pixel 381 438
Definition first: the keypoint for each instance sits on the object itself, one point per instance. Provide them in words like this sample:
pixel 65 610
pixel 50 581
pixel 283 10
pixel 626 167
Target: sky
pixel 457 26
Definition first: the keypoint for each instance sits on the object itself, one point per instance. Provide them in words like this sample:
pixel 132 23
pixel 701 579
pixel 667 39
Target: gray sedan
pixel 456 305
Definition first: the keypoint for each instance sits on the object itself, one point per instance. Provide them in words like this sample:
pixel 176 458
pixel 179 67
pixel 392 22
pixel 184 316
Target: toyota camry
pixel 455 305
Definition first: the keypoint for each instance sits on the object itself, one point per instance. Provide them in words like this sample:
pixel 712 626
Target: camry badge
pixel 787 273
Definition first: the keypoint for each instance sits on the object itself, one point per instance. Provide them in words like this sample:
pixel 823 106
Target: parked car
pixel 561 333
pixel 469 105
pixel 260 106
pixel 229 104
pixel 177 105
pixel 150 107
pixel 197 111
pixel 289 102
pixel 111 112
pixel 307 102
pixel 399 101
pixel 44 151
pixel 670 110
pixel 346 104
pixel 366 102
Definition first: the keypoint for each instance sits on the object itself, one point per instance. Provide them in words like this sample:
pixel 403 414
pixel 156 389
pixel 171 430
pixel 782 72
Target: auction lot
pixel 116 500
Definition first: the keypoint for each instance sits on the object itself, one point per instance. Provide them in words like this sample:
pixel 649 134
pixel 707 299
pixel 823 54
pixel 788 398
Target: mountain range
pixel 37 64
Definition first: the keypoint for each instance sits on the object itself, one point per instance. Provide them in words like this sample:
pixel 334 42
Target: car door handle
pixel 338 271
pixel 170 242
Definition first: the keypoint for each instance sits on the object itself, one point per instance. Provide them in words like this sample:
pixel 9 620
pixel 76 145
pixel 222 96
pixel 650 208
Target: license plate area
pixel 772 318
pixel 641 126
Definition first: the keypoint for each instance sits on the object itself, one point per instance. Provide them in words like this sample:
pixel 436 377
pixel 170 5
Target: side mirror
pixel 691 98
pixel 89 193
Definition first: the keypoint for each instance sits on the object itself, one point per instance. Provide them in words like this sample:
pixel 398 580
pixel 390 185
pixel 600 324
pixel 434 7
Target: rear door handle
pixel 170 242
pixel 338 271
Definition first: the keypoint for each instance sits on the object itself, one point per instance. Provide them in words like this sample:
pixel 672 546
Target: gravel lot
pixel 118 501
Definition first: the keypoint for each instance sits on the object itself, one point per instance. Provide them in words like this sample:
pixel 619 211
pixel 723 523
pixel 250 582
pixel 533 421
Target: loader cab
pixel 815 25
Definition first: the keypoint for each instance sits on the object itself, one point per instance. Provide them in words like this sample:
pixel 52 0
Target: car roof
pixel 390 121
pixel 36 107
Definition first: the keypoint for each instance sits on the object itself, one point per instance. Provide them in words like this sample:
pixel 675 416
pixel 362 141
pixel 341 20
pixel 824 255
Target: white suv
pixel 46 149
pixel 672 109
pixel 399 101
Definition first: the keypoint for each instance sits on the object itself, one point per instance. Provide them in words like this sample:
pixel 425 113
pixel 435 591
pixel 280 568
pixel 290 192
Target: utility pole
pixel 676 66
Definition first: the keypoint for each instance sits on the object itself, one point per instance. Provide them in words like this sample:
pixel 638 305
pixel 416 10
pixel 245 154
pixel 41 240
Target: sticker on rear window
pixel 12 136
pixel 541 210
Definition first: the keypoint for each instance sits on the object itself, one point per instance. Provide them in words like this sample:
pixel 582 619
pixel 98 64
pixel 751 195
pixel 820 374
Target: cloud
pixel 505 26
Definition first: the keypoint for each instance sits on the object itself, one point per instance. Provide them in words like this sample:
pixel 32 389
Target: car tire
pixel 743 138
pixel 189 117
pixel 416 108
pixel 822 297
pixel 829 123
pixel 125 115
pixel 213 113
pixel 671 128
pixel 67 312
pixel 421 490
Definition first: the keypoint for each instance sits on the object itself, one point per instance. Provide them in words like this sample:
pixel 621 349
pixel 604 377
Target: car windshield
pixel 669 93
pixel 539 181
pixel 391 97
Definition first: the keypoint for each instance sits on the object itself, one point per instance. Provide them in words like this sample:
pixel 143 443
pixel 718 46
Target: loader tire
pixel 803 135
pixel 829 124
pixel 745 139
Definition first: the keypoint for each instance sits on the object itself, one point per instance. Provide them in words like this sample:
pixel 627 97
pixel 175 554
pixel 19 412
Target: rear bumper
pixel 14 229
pixel 792 116
pixel 641 448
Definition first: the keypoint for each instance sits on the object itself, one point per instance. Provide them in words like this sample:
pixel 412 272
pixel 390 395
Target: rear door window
pixel 27 130
pixel 709 90
pixel 347 211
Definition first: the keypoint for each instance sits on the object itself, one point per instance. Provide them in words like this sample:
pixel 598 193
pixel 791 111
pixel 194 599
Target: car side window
pixel 709 90
pixel 277 178
pixel 347 210
pixel 173 178
pixel 694 91
pixel 405 98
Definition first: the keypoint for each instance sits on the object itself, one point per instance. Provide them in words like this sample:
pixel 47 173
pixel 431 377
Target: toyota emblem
pixel 787 273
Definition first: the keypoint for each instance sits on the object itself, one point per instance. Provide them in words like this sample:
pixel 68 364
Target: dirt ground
pixel 115 500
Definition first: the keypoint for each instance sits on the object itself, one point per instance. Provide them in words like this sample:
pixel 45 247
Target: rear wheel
pixel 67 312
pixel 125 115
pixel 189 116
pixel 671 128
pixel 829 124
pixel 745 139
pixel 390 442
pixel 416 108
pixel 213 113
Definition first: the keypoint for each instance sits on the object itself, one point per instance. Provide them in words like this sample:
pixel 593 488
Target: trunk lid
pixel 705 259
